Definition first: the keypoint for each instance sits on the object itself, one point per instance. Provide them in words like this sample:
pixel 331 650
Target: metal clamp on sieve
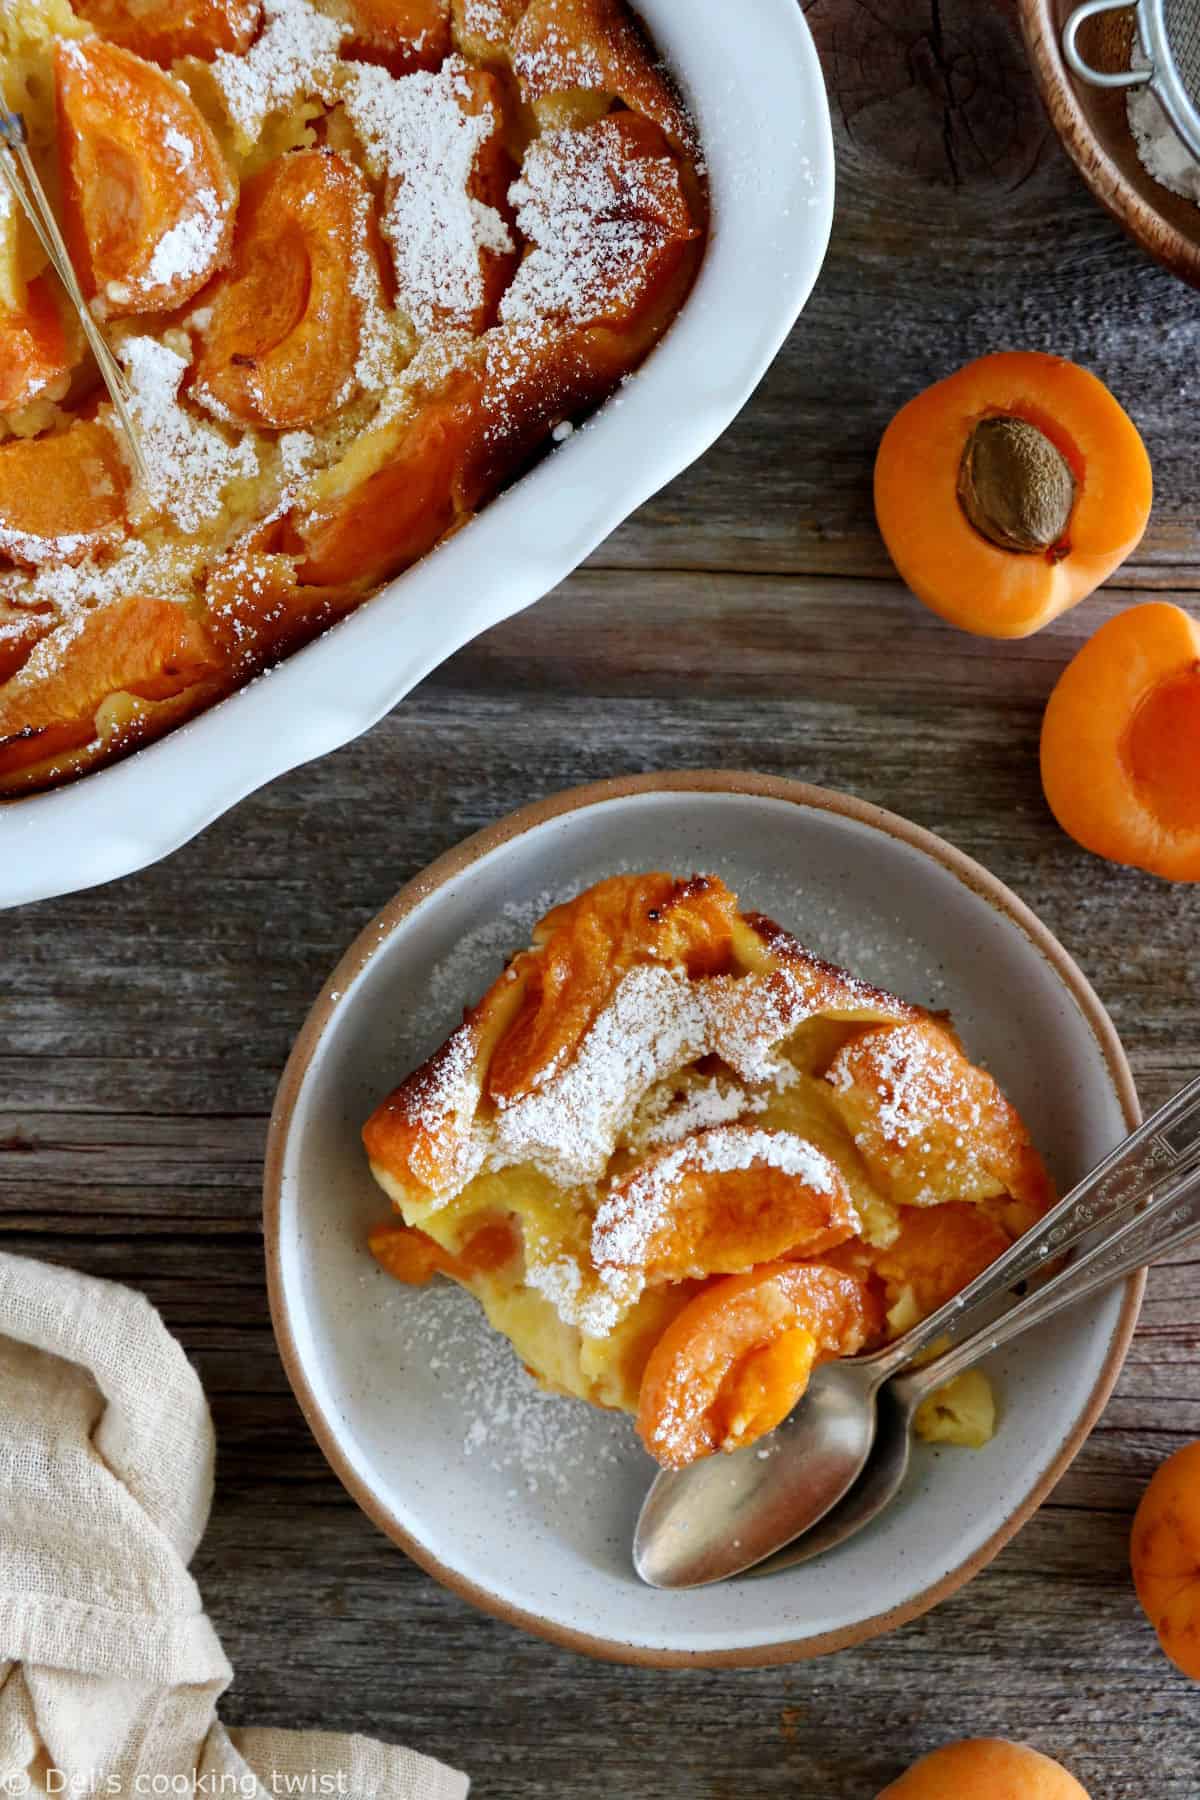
pixel 1168 33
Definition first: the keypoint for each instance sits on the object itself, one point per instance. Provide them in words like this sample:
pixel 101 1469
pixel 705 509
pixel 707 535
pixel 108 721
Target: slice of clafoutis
pixel 148 200
pixel 40 343
pixel 139 650
pixel 287 315
pixel 403 35
pixel 162 30
pixel 62 496
pixel 476 409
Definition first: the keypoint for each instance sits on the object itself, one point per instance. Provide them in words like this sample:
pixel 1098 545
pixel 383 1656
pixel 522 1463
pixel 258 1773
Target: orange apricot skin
pixel 162 30
pixel 985 1769
pixel 1164 1554
pixel 1089 776
pixel 951 567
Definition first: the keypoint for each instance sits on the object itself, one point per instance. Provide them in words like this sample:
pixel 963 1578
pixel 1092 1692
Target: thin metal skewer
pixel 31 197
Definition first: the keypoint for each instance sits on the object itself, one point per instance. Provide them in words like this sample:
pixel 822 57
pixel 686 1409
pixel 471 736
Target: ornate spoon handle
pixel 1166 1146
pixel 1170 1222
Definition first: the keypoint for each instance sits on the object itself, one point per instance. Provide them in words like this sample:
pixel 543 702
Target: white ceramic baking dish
pixel 752 77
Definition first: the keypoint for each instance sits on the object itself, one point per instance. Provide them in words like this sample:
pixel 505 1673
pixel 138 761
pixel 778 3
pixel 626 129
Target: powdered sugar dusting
pixel 295 54
pixel 417 137
pixel 628 1221
pixel 189 462
pixel 654 1024
pixel 592 215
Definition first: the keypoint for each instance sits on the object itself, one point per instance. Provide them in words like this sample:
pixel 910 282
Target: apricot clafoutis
pixel 680 1161
pixel 358 259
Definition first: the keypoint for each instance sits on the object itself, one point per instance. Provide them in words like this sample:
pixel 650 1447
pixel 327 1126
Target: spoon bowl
pixel 726 1513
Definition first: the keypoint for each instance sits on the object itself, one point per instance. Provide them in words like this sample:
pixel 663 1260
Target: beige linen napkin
pixel 109 1670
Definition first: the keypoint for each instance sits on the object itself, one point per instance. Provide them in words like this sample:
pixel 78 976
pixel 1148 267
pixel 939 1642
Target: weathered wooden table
pixel 745 618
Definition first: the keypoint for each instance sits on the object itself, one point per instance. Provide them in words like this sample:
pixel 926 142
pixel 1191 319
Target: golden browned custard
pixel 358 260
pixel 680 1160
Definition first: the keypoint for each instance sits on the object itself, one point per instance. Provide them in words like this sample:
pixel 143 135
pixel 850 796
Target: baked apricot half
pixel 737 1359
pixel 730 1198
pixel 142 646
pixel 287 315
pixel 61 496
pixel 1121 742
pixel 148 201
pixel 36 350
pixel 162 30
pixel 1009 491
pixel 403 35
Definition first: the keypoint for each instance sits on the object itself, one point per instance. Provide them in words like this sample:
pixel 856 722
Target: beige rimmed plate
pixel 526 1504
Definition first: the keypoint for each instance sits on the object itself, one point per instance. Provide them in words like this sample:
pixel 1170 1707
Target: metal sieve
pixel 1169 64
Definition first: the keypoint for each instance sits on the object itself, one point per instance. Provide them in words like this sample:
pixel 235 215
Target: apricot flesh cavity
pixel 1120 748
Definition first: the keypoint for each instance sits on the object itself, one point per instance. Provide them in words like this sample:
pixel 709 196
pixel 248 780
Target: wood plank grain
pixel 961 228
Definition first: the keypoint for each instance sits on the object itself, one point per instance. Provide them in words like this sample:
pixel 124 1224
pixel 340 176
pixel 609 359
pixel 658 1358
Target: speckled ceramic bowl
pixel 526 1504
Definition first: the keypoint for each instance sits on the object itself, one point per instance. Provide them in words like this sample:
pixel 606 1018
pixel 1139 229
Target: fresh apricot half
pixel 1165 1557
pixel 1009 491
pixel 738 1357
pixel 35 350
pixel 724 1201
pixel 985 1769
pixel 1121 742
pixel 162 30
pixel 148 200
pixel 403 35
pixel 61 496
pixel 142 646
pixel 287 314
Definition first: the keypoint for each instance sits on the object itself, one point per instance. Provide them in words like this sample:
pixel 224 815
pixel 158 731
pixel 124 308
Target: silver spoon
pixel 727 1513
pixel 1171 1222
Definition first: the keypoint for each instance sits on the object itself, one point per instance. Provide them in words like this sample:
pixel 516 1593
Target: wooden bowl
pixel 1094 129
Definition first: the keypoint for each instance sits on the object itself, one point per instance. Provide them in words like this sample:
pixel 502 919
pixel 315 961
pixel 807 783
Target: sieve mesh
pixel 1181 20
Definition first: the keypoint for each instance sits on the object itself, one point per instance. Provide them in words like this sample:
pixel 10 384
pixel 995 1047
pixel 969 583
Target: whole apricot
pixel 1165 1555
pixel 985 1769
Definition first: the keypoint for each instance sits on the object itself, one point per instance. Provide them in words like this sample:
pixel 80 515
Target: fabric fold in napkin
pixel 109 1670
